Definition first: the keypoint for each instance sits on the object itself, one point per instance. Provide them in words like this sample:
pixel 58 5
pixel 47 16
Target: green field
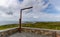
pixel 8 26
pixel 45 25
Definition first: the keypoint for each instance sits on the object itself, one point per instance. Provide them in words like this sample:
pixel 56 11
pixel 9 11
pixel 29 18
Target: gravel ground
pixel 23 34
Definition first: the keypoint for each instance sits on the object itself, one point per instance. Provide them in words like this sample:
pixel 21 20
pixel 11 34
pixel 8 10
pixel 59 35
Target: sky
pixel 43 10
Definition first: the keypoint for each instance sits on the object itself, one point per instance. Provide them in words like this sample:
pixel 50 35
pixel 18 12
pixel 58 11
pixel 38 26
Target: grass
pixel 8 26
pixel 45 25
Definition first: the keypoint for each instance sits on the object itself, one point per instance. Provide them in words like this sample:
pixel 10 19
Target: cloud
pixel 55 4
pixel 10 9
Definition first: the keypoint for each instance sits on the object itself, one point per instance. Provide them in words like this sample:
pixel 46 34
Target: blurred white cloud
pixel 9 10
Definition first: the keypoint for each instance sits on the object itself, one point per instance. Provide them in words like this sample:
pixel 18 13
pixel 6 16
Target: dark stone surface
pixel 8 32
pixel 48 33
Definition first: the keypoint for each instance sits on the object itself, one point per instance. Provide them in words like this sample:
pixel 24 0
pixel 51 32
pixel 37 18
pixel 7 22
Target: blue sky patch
pixel 20 0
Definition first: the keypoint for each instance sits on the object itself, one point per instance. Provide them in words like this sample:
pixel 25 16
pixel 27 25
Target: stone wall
pixel 45 32
pixel 58 33
pixel 40 31
pixel 7 33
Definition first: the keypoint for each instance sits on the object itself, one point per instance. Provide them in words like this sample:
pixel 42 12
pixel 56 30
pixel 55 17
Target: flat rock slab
pixel 24 34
